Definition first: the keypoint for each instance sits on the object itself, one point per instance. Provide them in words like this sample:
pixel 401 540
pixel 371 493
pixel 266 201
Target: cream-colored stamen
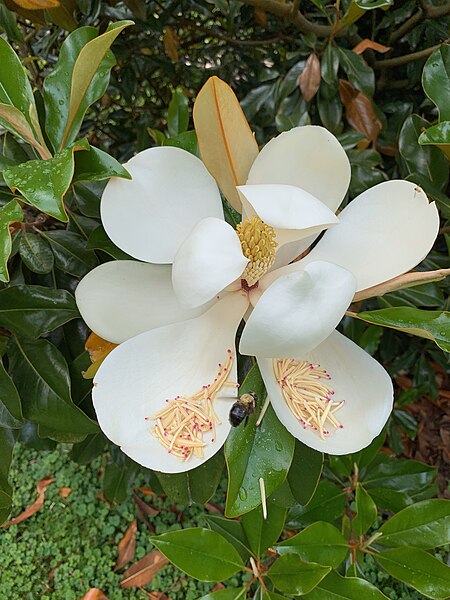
pixel 308 397
pixel 181 424
pixel 258 245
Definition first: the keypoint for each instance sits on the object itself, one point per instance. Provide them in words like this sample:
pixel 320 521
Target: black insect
pixel 242 409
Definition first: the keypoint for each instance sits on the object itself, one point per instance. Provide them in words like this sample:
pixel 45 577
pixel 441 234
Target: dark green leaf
pixel 44 183
pixel 366 511
pixel 42 378
pixel 305 472
pixel 10 406
pixel 336 587
pixel 32 310
pixel 117 479
pixel 87 196
pixel 186 141
pixel 228 594
pixel 292 575
pixel 85 452
pixel 254 452
pixel 424 525
pixel 36 253
pixel 438 134
pixel 419 569
pixel 232 531
pixel 71 254
pixel 327 504
pixel 8 23
pixel 263 533
pixel 9 213
pixel 329 65
pixel 201 553
pixel 321 543
pixel 178 113
pixel 436 80
pixel 6 449
pixel 196 485
pixel 430 324
pixel 358 71
pixel 96 165
pixel 99 240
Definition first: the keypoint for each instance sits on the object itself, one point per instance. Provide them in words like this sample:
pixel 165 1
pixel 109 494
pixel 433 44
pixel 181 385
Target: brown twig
pixel 390 63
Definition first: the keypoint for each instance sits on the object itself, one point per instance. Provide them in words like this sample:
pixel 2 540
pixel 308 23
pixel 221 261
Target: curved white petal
pixel 123 298
pixel 308 157
pixel 137 377
pixel 358 379
pixel 298 311
pixel 149 216
pixel 207 261
pixel 292 212
pixel 382 233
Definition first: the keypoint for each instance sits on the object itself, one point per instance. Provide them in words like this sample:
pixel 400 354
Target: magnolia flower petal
pixel 382 233
pixel 298 311
pixel 358 379
pixel 208 260
pixel 292 212
pixel 149 216
pixel 308 157
pixel 123 298
pixel 137 378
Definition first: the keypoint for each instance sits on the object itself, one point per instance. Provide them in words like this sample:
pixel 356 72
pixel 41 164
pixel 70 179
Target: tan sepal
pixel 226 142
pixel 401 282
pixel 98 349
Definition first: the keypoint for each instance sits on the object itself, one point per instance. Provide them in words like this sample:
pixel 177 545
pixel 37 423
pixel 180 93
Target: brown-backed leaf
pixel 309 79
pixel 171 43
pixel 226 142
pixel 359 111
pixel 41 486
pixel 260 16
pixel 64 492
pixel 402 282
pixel 98 350
pixel 367 44
pixel 127 546
pixel 94 594
pixel 143 571
pixel 37 4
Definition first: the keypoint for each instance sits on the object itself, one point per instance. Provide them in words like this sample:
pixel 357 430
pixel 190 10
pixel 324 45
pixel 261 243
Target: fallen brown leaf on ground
pixel 157 595
pixel 146 491
pixel 94 594
pixel 219 586
pixel 143 571
pixel 41 486
pixel 127 546
pixel 309 80
pixel 147 509
pixel 64 492
pixel 370 45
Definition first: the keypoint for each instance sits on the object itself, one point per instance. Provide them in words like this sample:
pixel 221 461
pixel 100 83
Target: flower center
pixel 306 394
pixel 180 425
pixel 258 245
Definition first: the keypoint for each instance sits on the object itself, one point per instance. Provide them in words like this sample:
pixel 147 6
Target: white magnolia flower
pixel 175 315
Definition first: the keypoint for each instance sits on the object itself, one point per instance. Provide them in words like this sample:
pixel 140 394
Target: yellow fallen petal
pixel 226 142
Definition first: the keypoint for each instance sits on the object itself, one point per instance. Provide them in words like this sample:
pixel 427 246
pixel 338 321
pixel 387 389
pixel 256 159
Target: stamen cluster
pixel 308 397
pixel 258 245
pixel 180 426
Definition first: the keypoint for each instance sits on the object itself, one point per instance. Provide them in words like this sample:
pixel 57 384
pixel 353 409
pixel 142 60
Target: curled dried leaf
pixel 94 594
pixel 309 80
pixel 127 546
pixel 41 486
pixel 367 44
pixel 143 571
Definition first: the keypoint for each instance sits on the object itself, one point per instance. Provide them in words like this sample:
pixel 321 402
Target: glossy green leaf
pixel 327 504
pixel 419 569
pixel 9 213
pixel 201 553
pixel 117 478
pixel 436 80
pixel 42 379
pixel 196 485
pixel 437 134
pixel 321 543
pixel 32 310
pixel 358 71
pixel 87 196
pixel 291 575
pixel 372 4
pixel 366 511
pixel 254 452
pixel 44 183
pixel 178 113
pixel 329 64
pixel 305 472
pixel 425 160
pixel 99 240
pixel 228 594
pixel 14 121
pixel 232 531
pixel 85 452
pixel 7 442
pixel 15 89
pixel 96 165
pixel 336 587
pixel 263 533
pixel 71 253
pixel 186 141
pixel 8 23
pixel 69 91
pixel 430 324
pixel 424 525
pixel 10 406
pixel 36 253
